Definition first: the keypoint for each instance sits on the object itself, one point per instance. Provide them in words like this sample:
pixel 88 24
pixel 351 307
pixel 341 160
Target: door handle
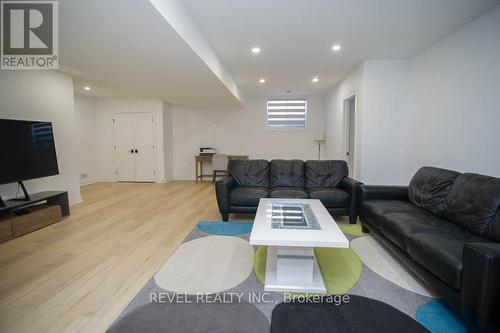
pixel 132 151
pixel 136 151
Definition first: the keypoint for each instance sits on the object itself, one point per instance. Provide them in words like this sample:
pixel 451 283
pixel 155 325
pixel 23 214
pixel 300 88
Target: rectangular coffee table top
pixel 295 222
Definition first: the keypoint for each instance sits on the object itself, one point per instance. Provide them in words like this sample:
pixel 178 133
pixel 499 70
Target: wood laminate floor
pixel 79 274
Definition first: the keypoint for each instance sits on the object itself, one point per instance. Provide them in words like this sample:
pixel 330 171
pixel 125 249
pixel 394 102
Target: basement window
pixel 287 113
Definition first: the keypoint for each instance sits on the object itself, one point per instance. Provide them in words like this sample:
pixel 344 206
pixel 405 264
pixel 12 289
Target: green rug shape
pixel 341 268
pixel 352 229
pixel 259 263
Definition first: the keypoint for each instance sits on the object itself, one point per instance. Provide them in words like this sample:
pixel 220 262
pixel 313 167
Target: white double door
pixel 135 151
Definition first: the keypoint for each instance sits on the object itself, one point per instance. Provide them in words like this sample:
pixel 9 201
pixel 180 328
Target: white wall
pixel 168 141
pixel 381 93
pixel 455 101
pixel 440 108
pixel 334 118
pixel 106 108
pixel 86 123
pixel 180 132
pixel 384 122
pixel 242 131
pixel 45 96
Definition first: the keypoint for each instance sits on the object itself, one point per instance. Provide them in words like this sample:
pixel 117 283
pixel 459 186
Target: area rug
pixel 350 229
pixel 213 282
pixel 438 317
pixel 382 262
pixel 361 314
pixel 225 229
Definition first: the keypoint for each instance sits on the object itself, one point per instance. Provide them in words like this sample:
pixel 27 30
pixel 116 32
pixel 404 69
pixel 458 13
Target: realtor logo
pixel 29 31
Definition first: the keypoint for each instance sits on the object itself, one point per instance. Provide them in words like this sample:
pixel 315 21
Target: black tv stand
pixel 9 207
pixel 20 217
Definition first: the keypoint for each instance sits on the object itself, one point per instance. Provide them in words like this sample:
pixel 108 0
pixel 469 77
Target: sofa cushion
pixel 288 192
pixel 322 174
pixel 398 227
pixel 247 196
pixel 474 203
pixel 250 172
pixel 441 254
pixel 429 186
pixel 330 197
pixel 286 173
pixel 375 210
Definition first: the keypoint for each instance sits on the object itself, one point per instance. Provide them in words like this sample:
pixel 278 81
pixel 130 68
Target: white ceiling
pixel 100 89
pixel 123 47
pixel 296 36
pixel 126 47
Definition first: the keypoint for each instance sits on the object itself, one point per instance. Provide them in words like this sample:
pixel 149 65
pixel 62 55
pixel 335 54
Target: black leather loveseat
pixel 446 227
pixel 250 180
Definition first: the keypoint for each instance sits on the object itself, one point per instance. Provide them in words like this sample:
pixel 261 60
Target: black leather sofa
pixel 445 226
pixel 250 180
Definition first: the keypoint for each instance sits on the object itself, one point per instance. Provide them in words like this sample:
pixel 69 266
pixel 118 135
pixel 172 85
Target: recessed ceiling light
pixel 87 88
pixel 315 79
pixel 262 80
pixel 336 47
pixel 256 50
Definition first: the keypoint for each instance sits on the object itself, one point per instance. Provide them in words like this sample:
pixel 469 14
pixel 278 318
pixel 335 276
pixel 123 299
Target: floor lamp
pixel 319 137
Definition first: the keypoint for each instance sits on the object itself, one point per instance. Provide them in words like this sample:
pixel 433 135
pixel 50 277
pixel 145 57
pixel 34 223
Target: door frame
pixel 346 112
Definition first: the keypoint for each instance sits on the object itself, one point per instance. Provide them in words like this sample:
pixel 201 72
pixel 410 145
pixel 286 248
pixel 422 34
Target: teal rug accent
pixel 225 228
pixel 438 318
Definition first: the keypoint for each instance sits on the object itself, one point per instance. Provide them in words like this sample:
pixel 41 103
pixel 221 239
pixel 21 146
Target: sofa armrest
pixel 481 286
pixel 222 188
pixel 384 192
pixel 349 184
pixel 352 186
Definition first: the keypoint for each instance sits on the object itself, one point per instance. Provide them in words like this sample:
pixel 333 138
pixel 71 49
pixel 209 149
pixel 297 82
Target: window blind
pixel 287 113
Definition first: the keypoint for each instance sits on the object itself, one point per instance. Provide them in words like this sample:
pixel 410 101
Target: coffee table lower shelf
pixel 293 269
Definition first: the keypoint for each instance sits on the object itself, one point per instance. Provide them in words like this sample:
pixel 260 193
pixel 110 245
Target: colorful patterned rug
pixel 213 282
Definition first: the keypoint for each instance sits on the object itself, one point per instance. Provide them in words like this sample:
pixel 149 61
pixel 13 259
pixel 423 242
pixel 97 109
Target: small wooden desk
pixel 200 159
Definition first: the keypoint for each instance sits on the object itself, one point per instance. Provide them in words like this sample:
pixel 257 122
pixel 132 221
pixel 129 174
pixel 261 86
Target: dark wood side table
pixel 199 160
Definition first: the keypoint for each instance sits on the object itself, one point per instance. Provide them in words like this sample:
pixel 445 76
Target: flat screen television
pixel 27 150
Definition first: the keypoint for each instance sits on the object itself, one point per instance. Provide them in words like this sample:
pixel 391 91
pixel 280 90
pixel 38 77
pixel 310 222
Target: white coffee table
pixel 292 228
